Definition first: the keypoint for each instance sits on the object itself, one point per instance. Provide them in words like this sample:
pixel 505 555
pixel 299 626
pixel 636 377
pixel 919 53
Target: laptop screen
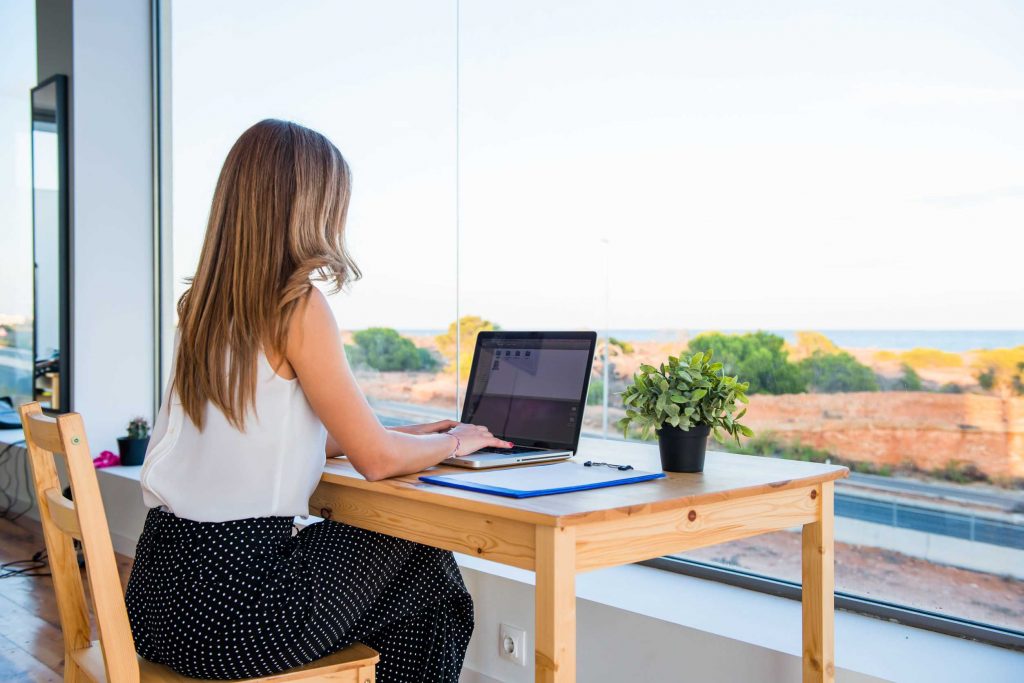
pixel 529 387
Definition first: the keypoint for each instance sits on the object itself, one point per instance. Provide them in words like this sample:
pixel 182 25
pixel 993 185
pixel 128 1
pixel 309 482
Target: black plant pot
pixel 683 451
pixel 132 451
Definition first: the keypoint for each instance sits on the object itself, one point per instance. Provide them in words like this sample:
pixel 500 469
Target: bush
pixel 382 348
pixel 1000 369
pixel 951 388
pixel 770 445
pixel 931 358
pixel 623 345
pixel 807 343
pixel 427 359
pixel 960 472
pixel 759 358
pixel 468 326
pixel 834 373
pixel 595 392
pixel 909 380
pixel 356 357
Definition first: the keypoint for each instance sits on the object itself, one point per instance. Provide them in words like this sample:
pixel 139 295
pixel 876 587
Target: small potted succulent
pixel 684 401
pixel 133 446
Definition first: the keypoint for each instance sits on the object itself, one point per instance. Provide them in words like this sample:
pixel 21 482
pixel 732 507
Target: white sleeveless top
pixel 221 474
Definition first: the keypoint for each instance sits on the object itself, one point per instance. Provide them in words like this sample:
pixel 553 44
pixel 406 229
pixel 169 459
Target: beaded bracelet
pixel 458 444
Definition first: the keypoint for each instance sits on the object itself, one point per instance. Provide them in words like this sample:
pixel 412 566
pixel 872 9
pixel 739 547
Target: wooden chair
pixel 112 658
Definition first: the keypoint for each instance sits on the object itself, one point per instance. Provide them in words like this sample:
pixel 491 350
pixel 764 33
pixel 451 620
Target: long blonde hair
pixel 277 222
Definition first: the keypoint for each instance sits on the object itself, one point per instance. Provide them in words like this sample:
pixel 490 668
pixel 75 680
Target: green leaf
pixel 718 435
pixel 698 395
pixel 745 430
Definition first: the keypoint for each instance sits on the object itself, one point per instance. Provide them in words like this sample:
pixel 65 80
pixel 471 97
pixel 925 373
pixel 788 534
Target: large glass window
pixel 828 196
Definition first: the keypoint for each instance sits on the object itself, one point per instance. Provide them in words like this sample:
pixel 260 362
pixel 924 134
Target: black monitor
pixel 531 387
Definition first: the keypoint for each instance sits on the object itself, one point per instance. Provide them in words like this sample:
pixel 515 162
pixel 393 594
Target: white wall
pixel 112 290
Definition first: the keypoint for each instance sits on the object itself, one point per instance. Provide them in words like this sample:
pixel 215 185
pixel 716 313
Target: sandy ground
pixel 884 575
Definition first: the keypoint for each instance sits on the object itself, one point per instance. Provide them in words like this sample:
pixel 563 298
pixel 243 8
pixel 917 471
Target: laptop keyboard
pixel 508 451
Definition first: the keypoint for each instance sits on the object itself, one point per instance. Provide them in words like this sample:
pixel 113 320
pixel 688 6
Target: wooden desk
pixel 737 496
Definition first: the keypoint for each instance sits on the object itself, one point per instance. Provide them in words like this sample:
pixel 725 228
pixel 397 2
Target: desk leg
pixel 818 592
pixel 555 651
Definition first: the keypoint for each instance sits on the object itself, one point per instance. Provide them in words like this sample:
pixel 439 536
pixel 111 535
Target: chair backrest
pixel 83 519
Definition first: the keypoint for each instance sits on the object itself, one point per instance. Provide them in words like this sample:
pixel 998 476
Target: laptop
pixel 529 388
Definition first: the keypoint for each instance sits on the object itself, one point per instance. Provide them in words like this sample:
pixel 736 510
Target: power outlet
pixel 512 644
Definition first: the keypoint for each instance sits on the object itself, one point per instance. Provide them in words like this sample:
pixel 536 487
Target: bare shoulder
pixel 312 322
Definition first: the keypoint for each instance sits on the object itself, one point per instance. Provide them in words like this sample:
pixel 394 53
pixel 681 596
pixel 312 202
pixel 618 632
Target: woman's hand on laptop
pixel 474 437
pixel 438 427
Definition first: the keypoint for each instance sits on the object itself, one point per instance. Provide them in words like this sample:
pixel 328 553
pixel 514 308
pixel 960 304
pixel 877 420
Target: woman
pixel 221 588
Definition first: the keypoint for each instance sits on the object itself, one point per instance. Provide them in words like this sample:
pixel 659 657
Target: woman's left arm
pixel 429 428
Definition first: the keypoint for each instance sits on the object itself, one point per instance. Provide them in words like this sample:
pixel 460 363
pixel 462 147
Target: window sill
pixel 865 646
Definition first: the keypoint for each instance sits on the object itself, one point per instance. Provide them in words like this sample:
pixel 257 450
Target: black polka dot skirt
pixel 251 598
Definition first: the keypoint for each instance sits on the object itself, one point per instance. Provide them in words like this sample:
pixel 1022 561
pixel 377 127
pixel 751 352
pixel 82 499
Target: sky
pixel 660 165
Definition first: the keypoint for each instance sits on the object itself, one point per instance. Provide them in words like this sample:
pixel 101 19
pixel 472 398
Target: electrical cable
pixel 9 498
pixel 32 569
pixel 10 492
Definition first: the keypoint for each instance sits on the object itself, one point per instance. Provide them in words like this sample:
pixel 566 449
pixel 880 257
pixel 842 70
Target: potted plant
pixel 684 401
pixel 133 447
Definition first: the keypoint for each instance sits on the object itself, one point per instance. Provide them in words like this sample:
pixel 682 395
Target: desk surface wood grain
pixel 726 476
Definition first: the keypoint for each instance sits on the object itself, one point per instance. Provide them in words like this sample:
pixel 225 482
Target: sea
pixel 954 341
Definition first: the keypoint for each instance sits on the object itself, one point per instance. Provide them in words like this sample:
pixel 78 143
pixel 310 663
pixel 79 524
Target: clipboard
pixel 541 480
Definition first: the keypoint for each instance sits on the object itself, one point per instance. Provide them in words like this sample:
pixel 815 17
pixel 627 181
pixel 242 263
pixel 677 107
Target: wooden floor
pixel 31 645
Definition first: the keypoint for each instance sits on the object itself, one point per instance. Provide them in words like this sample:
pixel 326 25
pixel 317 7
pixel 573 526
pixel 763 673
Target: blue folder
pixel 541 480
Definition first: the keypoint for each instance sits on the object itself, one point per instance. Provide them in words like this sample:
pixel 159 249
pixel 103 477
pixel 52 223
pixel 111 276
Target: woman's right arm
pixel 316 353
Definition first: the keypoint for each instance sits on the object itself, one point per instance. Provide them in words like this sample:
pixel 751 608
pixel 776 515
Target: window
pixel 828 197
pixel 18 76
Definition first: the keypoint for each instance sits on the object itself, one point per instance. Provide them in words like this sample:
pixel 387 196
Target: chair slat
pixel 63 514
pixel 60 550
pixel 44 432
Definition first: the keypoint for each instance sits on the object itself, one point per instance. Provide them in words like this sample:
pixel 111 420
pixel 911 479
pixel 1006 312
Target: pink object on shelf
pixel 106 459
